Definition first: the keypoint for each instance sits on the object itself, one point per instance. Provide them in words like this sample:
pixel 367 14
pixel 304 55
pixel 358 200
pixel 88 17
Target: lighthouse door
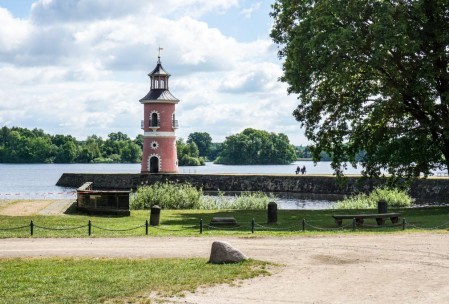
pixel 154 164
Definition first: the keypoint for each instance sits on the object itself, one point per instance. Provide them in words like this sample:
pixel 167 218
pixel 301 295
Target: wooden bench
pixel 223 221
pixel 380 218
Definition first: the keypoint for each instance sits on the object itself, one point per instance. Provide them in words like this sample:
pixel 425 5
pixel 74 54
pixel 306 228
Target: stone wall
pixel 426 189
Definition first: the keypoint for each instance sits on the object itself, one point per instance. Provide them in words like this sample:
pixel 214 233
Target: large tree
pixel 202 140
pixel 371 75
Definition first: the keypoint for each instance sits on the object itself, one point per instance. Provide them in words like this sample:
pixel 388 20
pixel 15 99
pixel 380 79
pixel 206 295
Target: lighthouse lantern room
pixel 159 125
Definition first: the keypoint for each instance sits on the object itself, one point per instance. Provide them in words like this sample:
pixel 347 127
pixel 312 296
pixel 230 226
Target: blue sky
pixel 80 67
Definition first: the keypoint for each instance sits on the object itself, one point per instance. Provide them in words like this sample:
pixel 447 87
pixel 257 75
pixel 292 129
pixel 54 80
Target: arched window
pixel 154 120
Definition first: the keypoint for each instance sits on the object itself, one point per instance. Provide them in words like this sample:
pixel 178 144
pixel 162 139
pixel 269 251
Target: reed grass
pixel 394 197
pixel 175 196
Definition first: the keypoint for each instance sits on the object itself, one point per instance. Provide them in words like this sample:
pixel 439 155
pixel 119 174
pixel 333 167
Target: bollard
pixel 201 226
pixel 353 224
pixel 155 215
pixel 382 206
pixel 272 213
pixel 303 225
pixel 403 224
pixel 89 227
pixel 252 226
pixel 31 228
pixel 146 227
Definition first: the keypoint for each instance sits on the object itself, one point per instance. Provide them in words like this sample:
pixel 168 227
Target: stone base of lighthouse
pixel 159 155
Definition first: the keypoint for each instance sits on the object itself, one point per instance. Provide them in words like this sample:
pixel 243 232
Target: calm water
pixel 26 181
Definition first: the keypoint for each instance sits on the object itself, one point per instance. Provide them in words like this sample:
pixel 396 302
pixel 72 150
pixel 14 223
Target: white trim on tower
pixel 159 134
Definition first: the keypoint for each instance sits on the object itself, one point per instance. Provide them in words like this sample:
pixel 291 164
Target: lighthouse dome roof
pixel 159 71
pixel 159 95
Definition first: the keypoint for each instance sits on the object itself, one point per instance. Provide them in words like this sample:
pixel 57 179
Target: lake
pixel 37 181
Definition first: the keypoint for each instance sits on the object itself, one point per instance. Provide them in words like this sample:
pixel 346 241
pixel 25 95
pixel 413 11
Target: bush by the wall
pixel 244 201
pixel 167 195
pixel 170 195
pixel 393 197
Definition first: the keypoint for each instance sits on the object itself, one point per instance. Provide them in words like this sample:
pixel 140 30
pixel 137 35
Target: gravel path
pixel 400 267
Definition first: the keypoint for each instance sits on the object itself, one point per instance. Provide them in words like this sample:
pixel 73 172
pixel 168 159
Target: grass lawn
pixel 82 280
pixel 186 223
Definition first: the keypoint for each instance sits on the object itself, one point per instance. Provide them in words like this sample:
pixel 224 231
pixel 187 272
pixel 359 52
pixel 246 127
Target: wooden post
pixel 146 227
pixel 89 227
pixel 252 226
pixel 303 225
pixel 155 215
pixel 272 213
pixel 201 226
pixel 31 228
pixel 353 224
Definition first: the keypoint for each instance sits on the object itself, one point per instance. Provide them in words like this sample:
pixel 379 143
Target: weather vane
pixel 159 52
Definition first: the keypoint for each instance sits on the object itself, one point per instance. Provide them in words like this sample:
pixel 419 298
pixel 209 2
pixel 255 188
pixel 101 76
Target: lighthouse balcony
pixel 175 124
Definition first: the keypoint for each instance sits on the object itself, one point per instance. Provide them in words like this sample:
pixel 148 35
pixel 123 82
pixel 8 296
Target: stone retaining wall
pixel 436 189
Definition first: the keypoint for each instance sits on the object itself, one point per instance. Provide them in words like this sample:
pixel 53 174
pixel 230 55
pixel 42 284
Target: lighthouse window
pixel 154 120
pixel 162 84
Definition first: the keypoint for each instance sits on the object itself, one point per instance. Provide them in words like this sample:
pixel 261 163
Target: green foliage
pixel 20 145
pixel 171 195
pixel 214 151
pixel 44 280
pixel 244 201
pixel 167 195
pixel 394 197
pixel 202 140
pixel 371 76
pixel 253 147
pixel 188 154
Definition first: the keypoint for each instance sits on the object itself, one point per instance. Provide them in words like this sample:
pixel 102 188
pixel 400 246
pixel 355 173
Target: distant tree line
pixel 250 147
pixel 20 145
pixel 256 147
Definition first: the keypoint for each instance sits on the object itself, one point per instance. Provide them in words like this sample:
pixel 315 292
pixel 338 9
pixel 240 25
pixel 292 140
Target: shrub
pixel 393 197
pixel 167 195
pixel 170 195
pixel 244 201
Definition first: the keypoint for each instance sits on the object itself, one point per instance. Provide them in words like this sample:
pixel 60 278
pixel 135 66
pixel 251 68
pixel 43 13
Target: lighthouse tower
pixel 159 125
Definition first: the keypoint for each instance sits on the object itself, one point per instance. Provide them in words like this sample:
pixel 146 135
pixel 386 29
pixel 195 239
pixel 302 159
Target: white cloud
pixel 247 12
pixel 79 67
pixel 12 32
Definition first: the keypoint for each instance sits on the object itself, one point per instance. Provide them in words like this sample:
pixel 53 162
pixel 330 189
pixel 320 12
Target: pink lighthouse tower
pixel 159 125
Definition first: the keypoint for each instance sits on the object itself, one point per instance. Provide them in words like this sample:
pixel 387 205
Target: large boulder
pixel 223 252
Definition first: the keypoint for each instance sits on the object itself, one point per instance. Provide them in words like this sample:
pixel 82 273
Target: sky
pixel 80 67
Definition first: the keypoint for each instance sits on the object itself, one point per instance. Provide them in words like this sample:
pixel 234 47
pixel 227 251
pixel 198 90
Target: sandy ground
pixel 31 207
pixel 374 268
pixel 400 267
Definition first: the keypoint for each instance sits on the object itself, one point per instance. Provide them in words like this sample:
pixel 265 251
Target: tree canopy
pixel 188 153
pixel 203 142
pixel 256 147
pixel 20 145
pixel 370 76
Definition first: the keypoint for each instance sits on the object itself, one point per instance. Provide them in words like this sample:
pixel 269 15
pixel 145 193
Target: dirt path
pixel 32 207
pixel 400 267
pixel 24 208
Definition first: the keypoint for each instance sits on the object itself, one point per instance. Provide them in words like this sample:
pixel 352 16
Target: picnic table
pixel 380 218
